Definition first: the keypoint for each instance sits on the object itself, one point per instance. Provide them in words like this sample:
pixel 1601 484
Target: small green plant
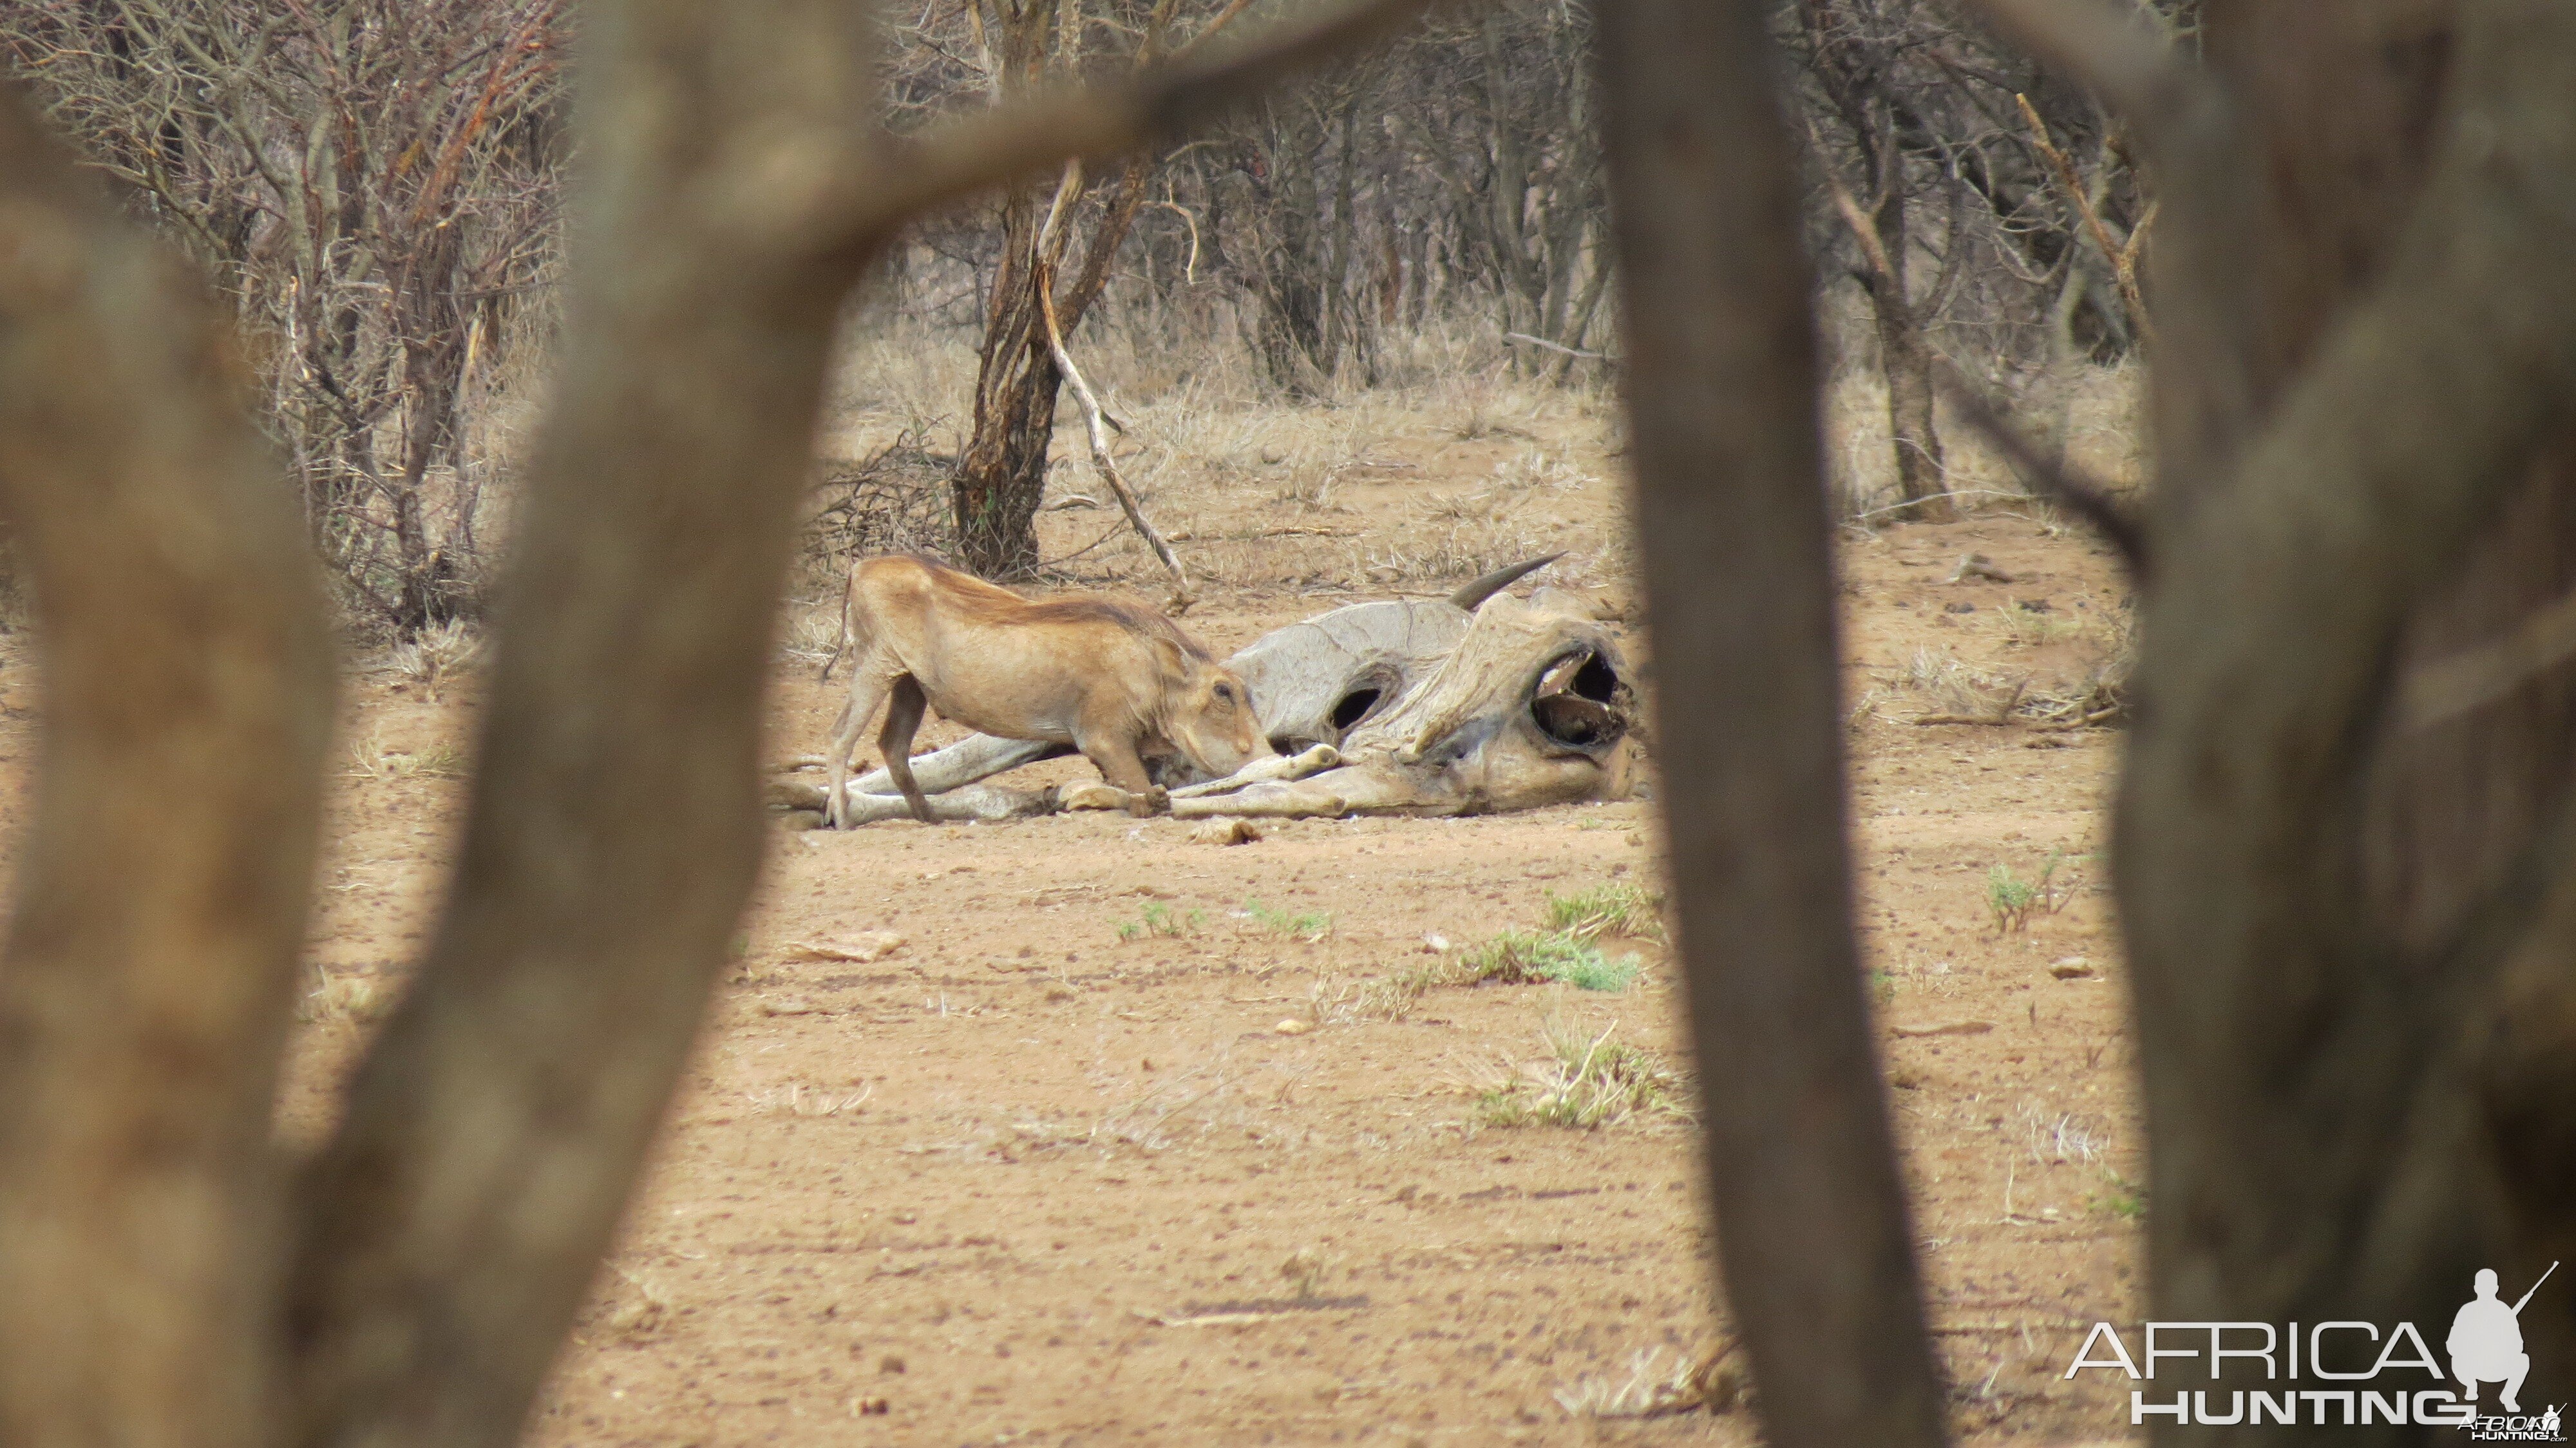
pixel 2010 898
pixel 2119 1197
pixel 2053 892
pixel 1524 957
pixel 1592 1082
pixel 1883 986
pixel 1161 919
pixel 1615 908
pixel 1310 927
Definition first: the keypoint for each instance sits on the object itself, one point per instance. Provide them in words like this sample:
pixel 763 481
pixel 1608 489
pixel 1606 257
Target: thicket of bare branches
pixel 374 186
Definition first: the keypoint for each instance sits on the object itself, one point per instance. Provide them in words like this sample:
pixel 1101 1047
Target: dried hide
pixel 1532 707
pixel 1474 703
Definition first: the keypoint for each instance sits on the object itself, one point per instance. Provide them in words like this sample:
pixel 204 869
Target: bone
pixel 1351 789
pixel 1313 760
pixel 976 757
pixel 1093 794
pixel 982 802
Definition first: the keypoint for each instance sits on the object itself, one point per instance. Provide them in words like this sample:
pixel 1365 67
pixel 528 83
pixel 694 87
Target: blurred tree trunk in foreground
pixel 162 1280
pixel 2344 833
pixel 2344 813
pixel 1814 1241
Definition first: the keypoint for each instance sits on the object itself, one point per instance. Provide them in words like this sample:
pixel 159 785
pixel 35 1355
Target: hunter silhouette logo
pixel 2486 1341
pixel 2335 1373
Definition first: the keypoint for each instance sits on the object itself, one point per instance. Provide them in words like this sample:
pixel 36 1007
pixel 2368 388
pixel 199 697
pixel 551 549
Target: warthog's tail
pixel 849 626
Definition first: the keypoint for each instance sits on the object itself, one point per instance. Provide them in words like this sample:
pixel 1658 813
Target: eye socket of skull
pixel 1355 706
pixel 1581 701
pixel 1363 699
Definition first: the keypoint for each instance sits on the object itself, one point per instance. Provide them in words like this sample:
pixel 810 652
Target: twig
pixel 2123 260
pixel 1915 503
pixel 1190 270
pixel 1556 346
pixel 1099 436
pixel 2064 483
pixel 1873 248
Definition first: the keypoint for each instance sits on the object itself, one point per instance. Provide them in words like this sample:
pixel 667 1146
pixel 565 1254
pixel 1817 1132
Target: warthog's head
pixel 1209 718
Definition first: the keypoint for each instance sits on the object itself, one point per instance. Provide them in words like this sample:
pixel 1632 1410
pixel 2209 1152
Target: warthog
pixel 1475 702
pixel 1115 680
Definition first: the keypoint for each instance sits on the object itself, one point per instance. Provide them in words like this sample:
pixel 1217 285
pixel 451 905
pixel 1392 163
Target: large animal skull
pixel 1473 703
pixel 1531 706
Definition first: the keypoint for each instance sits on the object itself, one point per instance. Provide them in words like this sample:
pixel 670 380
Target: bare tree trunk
pixel 2323 897
pixel 1813 1236
pixel 412 1283
pixel 1854 70
pixel 1922 470
pixel 1001 473
pixel 161 900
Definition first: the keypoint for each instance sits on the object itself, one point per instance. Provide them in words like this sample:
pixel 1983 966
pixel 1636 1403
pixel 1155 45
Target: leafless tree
pixel 372 183
pixel 1061 239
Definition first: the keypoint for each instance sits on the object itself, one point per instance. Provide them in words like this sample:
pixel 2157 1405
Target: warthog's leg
pixel 1121 765
pixel 905 704
pixel 867 692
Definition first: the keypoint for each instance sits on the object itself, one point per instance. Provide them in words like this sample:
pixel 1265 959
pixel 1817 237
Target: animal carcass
pixel 1532 707
pixel 1474 703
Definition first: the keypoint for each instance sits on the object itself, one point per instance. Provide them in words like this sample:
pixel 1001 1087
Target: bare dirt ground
pixel 1051 1171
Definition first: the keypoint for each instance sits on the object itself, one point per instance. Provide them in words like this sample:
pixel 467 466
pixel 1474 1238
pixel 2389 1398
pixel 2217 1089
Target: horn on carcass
pixel 1471 594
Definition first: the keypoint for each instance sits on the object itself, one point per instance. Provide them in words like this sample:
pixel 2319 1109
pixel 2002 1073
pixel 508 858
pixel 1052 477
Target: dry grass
pixel 1656 1385
pixel 372 758
pixel 812 631
pixel 1253 490
pixel 794 1099
pixel 2096 692
pixel 1614 908
pixel 1586 1081
pixel 1954 686
pixel 438 655
pixel 343 997
pixel 2059 1137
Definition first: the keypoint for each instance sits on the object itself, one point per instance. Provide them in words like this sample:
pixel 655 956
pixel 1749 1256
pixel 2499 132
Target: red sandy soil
pixel 1024 1180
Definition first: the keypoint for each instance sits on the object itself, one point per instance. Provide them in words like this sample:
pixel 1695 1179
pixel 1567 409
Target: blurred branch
pixel 2132 71
pixel 907 177
pixel 2065 484
pixel 155 930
